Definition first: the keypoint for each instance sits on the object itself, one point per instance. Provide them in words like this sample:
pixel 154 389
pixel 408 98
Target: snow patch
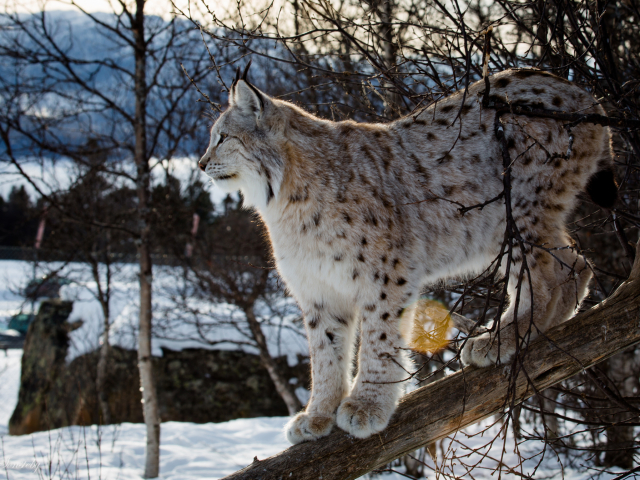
pixel 10 367
pixel 187 450
pixel 172 327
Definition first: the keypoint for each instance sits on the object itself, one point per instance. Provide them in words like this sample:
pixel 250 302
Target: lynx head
pixel 245 145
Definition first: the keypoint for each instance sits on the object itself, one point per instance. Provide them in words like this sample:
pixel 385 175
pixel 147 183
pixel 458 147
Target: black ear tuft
pixel 237 78
pixel 252 98
pixel 246 70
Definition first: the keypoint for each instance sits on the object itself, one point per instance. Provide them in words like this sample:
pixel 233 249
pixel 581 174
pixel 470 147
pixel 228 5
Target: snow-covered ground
pixel 211 451
pixel 9 385
pixel 188 451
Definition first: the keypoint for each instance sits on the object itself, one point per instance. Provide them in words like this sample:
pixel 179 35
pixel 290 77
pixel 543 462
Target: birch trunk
pixel 282 385
pixel 149 397
pixel 104 296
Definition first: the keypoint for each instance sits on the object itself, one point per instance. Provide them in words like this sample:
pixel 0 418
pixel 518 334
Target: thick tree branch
pixel 466 397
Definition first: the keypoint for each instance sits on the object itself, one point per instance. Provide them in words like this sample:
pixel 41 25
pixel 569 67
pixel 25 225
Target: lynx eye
pixel 223 137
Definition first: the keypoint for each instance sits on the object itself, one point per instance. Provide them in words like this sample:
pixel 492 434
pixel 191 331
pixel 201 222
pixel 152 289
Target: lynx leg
pixel 493 347
pixel 330 347
pixel 573 284
pixel 559 285
pixel 382 365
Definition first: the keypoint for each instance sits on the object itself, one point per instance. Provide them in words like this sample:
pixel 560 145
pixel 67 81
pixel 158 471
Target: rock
pixel 194 385
pixel 43 368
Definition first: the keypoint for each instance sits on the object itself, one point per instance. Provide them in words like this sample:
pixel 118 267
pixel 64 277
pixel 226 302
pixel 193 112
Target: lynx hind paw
pixel 362 418
pixel 482 351
pixel 305 427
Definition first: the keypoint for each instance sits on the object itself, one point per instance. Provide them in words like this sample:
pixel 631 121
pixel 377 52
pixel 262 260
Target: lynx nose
pixel 202 163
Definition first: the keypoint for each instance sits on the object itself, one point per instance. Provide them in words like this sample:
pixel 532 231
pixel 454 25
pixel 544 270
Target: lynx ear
pixel 247 97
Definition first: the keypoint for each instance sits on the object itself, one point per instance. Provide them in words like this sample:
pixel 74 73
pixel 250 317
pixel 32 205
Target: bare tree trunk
pixel 547 402
pixel 622 371
pixel 384 12
pixel 101 377
pixel 103 358
pixel 149 397
pixel 282 385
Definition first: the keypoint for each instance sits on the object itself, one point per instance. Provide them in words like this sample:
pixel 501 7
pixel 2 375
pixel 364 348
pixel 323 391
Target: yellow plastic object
pixel 429 330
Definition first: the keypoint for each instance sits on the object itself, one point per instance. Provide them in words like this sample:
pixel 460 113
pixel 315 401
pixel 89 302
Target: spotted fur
pixel 362 215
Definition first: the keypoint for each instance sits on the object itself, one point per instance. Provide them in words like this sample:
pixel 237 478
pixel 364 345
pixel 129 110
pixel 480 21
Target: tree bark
pixel 384 10
pixel 547 405
pixel 282 385
pixel 149 397
pixel 622 371
pixel 466 397
pixel 101 376
pixel 104 297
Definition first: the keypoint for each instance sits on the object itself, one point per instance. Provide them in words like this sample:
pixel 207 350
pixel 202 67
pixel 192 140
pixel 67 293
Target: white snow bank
pixel 187 451
pixel 172 327
pixel 197 451
pixel 9 385
pixel 13 276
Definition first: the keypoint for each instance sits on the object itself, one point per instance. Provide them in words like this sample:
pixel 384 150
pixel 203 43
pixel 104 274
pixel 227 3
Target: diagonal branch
pixel 573 118
pixel 466 397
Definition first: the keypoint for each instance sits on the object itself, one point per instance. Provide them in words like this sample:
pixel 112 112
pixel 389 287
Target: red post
pixel 41 226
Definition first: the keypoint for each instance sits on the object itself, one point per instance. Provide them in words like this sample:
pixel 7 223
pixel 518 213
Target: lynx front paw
pixel 482 351
pixel 308 426
pixel 362 418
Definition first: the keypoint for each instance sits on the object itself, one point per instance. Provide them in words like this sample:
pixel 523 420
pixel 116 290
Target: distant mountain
pixel 44 62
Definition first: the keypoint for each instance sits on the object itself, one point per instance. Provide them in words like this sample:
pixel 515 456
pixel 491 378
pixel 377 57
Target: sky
pixel 153 7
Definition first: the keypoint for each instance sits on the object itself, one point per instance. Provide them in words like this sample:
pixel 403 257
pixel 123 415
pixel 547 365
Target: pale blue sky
pixel 154 7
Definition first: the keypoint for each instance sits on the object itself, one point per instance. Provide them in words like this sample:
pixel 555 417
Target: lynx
pixel 361 216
